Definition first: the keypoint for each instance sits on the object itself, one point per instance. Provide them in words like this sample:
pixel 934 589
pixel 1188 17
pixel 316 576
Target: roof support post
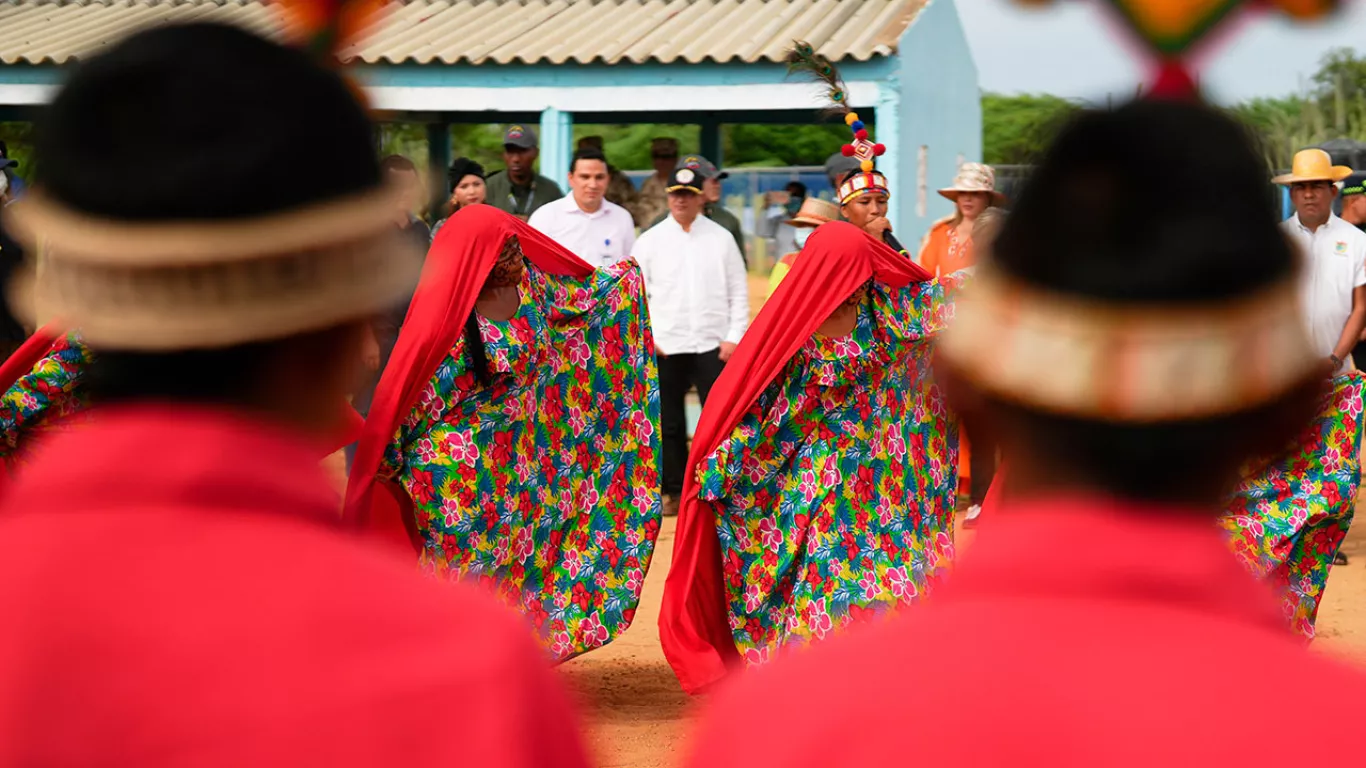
pixel 887 113
pixel 439 159
pixel 709 140
pixel 557 144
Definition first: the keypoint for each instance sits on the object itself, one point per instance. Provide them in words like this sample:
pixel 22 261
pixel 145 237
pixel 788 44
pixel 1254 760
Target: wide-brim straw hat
pixel 1313 165
pixel 164 286
pixel 974 177
pixel 814 212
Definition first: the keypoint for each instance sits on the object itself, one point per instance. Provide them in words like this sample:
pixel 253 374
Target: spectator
pixel 838 166
pixel 402 175
pixel 796 194
pixel 813 213
pixel 711 195
pixel 1335 305
pixel 1354 200
pixel 518 189
pixel 7 167
pixel 466 178
pixel 620 190
pixel 654 201
pixel 698 297
pixel 597 230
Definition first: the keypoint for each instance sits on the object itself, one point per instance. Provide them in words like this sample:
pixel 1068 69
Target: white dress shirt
pixel 1335 264
pixel 695 285
pixel 601 238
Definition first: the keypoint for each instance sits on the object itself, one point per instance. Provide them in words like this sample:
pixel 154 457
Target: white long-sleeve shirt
pixel 695 285
pixel 601 238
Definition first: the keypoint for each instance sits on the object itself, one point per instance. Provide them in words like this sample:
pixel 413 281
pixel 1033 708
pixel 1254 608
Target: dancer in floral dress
pixel 39 394
pixel 42 390
pixel 822 488
pixel 519 438
pixel 1289 515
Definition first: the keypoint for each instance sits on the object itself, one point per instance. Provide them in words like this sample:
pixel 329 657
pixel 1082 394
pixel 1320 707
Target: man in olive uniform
pixel 518 189
pixel 653 202
pixel 620 190
pixel 711 191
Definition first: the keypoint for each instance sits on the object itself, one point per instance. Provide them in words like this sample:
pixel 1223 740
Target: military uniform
pixel 521 201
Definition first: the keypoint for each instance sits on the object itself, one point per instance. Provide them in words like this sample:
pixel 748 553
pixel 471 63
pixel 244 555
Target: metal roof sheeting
pixel 498 31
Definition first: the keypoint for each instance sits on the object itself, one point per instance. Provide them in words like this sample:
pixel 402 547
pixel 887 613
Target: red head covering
pixel 837 259
pixel 458 263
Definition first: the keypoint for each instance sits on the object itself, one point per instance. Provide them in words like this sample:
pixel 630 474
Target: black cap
pixel 684 180
pixel 1354 184
pixel 520 136
pixel 703 166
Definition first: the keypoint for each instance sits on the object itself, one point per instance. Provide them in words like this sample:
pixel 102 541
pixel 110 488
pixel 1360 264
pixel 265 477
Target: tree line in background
pixel 1015 128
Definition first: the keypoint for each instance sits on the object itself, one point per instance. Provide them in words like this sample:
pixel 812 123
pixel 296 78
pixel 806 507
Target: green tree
pixel 1015 129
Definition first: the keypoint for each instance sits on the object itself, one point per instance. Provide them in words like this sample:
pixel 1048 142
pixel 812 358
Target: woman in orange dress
pixel 946 249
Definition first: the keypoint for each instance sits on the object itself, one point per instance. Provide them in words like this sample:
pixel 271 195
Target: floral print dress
pixel 1288 517
pixel 544 484
pixel 835 493
pixel 41 400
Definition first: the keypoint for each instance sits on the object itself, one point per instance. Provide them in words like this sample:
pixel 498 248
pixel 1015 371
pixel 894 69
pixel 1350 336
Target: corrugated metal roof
pixel 499 31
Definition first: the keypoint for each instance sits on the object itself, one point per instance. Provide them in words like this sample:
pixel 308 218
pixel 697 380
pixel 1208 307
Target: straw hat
pixel 815 212
pixel 974 177
pixel 1313 165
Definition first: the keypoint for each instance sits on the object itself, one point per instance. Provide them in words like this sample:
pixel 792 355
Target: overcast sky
pixel 1072 49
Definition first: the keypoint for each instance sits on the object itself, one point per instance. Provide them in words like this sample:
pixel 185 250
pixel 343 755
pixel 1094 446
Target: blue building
pixel 555 62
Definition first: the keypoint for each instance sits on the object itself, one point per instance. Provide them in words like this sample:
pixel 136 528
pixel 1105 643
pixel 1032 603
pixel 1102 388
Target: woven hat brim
pixel 220 305
pixel 1335 174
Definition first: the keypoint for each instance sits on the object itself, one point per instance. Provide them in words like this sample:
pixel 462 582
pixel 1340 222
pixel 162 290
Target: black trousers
pixel 983 465
pixel 1359 355
pixel 678 374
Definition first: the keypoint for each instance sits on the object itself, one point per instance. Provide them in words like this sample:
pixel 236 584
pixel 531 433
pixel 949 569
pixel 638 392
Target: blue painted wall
pixel 940 109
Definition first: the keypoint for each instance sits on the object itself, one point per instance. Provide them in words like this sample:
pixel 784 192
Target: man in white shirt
pixel 698 296
pixel 1334 280
pixel 597 230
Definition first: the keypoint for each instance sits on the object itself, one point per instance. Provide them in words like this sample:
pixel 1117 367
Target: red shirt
pixel 1075 633
pixel 175 592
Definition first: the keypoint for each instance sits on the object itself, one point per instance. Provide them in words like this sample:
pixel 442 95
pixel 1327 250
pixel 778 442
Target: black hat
pixel 685 180
pixel 520 136
pixel 462 167
pixel 703 166
pixel 1354 184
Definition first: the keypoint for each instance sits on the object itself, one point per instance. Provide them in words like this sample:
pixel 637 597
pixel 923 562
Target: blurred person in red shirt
pixel 1155 647
pixel 176 585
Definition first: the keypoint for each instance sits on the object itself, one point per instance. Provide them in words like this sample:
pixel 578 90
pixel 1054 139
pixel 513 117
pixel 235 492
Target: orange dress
pixel 943 252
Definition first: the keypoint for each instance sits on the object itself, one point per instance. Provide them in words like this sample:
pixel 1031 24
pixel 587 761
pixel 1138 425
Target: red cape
pixel 457 265
pixel 838 258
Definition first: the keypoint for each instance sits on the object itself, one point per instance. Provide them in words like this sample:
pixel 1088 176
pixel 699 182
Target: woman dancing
pixel 821 487
pixel 512 438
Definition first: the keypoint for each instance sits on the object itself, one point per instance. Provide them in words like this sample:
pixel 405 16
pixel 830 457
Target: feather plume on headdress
pixel 324 28
pixel 804 59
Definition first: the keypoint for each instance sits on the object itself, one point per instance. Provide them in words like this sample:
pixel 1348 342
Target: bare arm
pixel 1356 323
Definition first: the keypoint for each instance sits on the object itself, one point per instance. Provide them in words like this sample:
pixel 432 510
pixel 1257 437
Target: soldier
pixel 653 202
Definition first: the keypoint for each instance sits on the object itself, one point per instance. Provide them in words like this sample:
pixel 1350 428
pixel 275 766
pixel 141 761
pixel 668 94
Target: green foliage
pixel 1015 129
pixel 779 145
pixel 18 138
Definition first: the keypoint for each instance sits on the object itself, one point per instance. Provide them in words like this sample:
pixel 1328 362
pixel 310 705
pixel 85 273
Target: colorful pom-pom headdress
pixel 803 58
